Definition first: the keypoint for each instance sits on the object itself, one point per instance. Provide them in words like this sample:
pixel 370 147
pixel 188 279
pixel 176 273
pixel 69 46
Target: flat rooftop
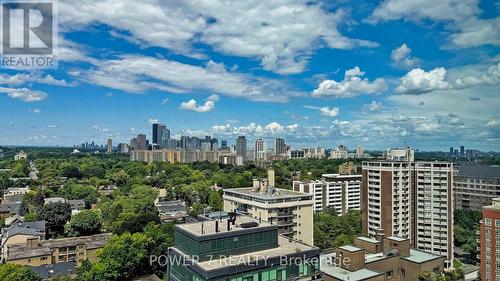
pixel 342 274
pixel 396 238
pixel 195 228
pixel 278 194
pixel 368 239
pixel 479 171
pixel 350 248
pixel 420 256
pixel 286 247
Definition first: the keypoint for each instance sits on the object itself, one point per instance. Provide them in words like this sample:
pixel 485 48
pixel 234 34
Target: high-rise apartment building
pixel 338 192
pixel 109 146
pixel 476 186
pixel 359 151
pixel 241 147
pixel 142 142
pixel 292 211
pixel 411 200
pixel 279 146
pixel 462 150
pixel 123 148
pixel 156 134
pixel 260 149
pixel 490 242
pixel 223 145
pixel 238 248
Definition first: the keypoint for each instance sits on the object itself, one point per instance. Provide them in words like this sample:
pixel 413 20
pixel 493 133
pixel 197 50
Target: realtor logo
pixel 29 34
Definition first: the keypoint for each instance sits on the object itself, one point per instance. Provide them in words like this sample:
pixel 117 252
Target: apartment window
pixel 389 274
pixel 402 272
pixel 497 223
pixel 487 222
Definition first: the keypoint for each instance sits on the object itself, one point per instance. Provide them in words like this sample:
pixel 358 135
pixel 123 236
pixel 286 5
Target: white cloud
pixel 330 112
pixel 325 111
pixel 493 123
pixel 24 94
pixel 192 105
pixel 401 57
pixel 36 110
pixel 136 74
pixel 153 120
pixel 419 81
pixel 462 18
pixel 373 106
pixel 352 85
pixel 51 126
pixel 24 78
pixel 282 35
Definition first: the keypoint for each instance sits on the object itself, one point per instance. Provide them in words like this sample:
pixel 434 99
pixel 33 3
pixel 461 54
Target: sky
pixel 392 73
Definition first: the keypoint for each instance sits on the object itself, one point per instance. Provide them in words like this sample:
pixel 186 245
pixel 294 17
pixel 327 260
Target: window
pixel 487 222
pixel 402 272
pixel 497 223
pixel 389 274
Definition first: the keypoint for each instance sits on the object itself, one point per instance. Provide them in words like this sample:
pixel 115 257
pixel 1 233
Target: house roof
pixel 51 270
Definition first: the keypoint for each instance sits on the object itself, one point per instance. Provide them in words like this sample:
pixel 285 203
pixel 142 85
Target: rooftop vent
pixel 249 224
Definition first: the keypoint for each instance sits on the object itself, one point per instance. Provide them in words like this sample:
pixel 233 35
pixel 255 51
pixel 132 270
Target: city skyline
pixel 314 74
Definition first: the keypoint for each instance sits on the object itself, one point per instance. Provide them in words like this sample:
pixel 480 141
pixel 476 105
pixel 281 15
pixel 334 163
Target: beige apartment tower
pixel 292 211
pixel 411 200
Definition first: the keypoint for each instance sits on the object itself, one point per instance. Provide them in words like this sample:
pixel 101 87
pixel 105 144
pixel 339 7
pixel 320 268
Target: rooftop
pixel 209 226
pixel 350 248
pixel 420 256
pixel 51 270
pixel 479 171
pixel 396 238
pixel 18 251
pixel 279 193
pixel 286 247
pixel 368 239
pixel 342 274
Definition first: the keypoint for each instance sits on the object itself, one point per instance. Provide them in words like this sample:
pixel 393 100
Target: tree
pixel 130 212
pixel 215 201
pixel 77 191
pixel 332 230
pixel 55 216
pixel 20 169
pixel 86 222
pixel 124 257
pixel 17 272
pixel 163 238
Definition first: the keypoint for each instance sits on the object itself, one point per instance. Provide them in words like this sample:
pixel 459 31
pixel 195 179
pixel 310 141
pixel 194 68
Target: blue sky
pixel 423 73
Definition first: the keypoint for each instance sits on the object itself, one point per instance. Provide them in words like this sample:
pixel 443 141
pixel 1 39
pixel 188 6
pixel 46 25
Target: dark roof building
pixel 476 186
pixel 47 271
pixel 239 248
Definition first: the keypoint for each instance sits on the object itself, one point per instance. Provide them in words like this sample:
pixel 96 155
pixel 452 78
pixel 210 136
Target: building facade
pixel 35 252
pixel 338 192
pixel 292 211
pixel 490 242
pixel 279 146
pixel 241 147
pixel 239 248
pixel 411 200
pixel 386 258
pixel 476 186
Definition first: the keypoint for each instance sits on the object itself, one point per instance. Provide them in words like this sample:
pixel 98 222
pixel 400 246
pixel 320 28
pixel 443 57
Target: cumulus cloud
pixel 493 123
pixel 373 106
pixel 281 35
pixel 24 94
pixel 153 120
pixel 36 110
pixel 419 81
pixel 401 57
pixel 468 29
pixel 192 105
pixel 325 111
pixel 136 74
pixel 352 85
